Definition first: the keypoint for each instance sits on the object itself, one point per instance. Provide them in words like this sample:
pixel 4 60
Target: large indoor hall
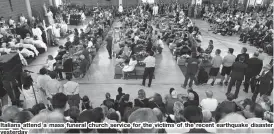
pixel 173 61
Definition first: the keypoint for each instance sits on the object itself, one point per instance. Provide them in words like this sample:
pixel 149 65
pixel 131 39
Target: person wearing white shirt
pixel 209 103
pixel 160 45
pixel 50 17
pixel 228 61
pixel 155 10
pixel 149 68
pixel 37 32
pixel 83 16
pixel 130 67
pixel 261 55
pixel 56 31
pixel 22 19
pixel 3 30
pixel 136 38
pixel 41 82
pixel 28 39
pixel 71 89
pixel 90 44
pixel 53 86
pixel 5 50
pixel 50 63
pixel 120 8
pixel 11 23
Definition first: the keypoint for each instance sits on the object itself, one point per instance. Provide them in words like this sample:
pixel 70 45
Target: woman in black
pixel 124 103
pixel 141 101
pixel 157 102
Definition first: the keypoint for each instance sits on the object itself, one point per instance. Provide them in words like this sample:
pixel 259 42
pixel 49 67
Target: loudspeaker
pixel 10 66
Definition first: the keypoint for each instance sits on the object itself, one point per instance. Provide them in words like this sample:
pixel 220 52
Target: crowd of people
pixel 255 25
pixel 142 39
pixel 171 108
pixel 73 58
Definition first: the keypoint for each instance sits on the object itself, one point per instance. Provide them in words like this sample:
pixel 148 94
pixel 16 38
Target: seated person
pixel 61 52
pixel 50 63
pixel 236 28
pixel 210 47
pixel 28 39
pixel 40 45
pixel 130 67
pixel 81 70
pixel 126 51
pixel 19 39
pixel 4 49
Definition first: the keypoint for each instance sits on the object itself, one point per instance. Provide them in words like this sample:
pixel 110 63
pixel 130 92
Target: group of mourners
pixel 254 25
pixel 47 100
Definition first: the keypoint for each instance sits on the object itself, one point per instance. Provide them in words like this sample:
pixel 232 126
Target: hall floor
pixel 100 77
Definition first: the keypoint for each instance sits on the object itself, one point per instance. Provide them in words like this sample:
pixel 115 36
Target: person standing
pixel 71 89
pixel 264 82
pixel 243 53
pixel 228 60
pixel 216 64
pixel 192 70
pixel 120 9
pixel 155 10
pixel 149 68
pixel 254 68
pixel 109 41
pixel 237 75
pixel 31 94
pixel 36 31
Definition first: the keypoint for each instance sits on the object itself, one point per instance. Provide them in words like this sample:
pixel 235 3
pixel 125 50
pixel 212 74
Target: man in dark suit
pixel 254 68
pixel 244 54
pixel 192 70
pixel 109 41
pixel 237 76
pixel 263 85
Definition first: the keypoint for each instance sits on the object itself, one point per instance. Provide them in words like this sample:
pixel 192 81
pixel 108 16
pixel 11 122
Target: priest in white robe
pixel 37 32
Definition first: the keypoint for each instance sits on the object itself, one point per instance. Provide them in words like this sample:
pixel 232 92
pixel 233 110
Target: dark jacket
pixel 255 66
pixel 68 45
pixel 192 66
pixel 244 55
pixel 86 53
pixel 265 81
pixel 84 65
pixel 238 70
pixel 68 65
pixel 141 103
pixel 109 42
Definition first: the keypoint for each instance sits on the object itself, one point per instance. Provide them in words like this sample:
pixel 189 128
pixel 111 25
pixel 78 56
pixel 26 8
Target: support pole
pixel 28 9
pixel 247 4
